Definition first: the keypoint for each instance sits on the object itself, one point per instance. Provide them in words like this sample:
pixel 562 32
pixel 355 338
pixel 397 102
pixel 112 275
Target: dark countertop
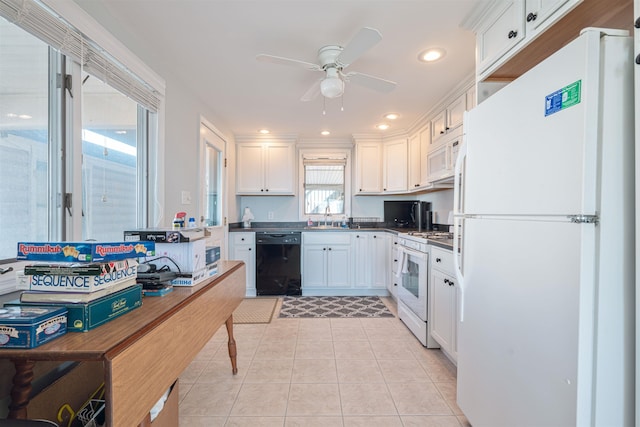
pixel 301 226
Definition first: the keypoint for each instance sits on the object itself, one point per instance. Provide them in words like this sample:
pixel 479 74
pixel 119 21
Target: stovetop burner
pixel 435 235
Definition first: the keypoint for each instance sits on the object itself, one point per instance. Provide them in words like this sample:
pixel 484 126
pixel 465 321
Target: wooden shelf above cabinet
pixel 590 13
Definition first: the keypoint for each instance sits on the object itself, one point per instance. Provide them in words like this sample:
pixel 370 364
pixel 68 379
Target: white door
pixel 213 186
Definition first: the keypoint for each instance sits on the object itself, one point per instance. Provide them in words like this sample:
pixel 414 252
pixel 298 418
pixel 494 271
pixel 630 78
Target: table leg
pixel 232 345
pixel 21 388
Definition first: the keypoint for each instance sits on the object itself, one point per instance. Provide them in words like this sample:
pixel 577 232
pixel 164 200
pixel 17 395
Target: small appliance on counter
pixel 414 214
pixel 247 217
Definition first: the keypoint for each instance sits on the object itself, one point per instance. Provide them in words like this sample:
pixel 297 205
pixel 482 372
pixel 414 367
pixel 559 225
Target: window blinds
pixel 45 24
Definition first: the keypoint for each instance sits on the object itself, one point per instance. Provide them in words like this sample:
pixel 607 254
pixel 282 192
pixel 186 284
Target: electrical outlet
pixel 186 197
pixel 270 215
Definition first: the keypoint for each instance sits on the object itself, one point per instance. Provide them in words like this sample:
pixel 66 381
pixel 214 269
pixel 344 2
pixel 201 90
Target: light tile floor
pixel 320 372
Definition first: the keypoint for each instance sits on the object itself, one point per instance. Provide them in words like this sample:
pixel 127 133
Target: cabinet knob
pixel 638 59
pixel 384 189
pixel 324 249
pixel 329 248
pixel 375 237
pixel 249 248
pixel 513 34
pixel 361 189
pixel 357 236
pixel 262 189
pixel 242 238
pixel 451 283
pixel 438 260
pixel 637 23
pixel 442 132
pixel 266 189
pixel 532 16
pixel 446 281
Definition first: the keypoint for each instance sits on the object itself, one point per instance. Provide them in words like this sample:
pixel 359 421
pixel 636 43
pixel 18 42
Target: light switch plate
pixel 186 197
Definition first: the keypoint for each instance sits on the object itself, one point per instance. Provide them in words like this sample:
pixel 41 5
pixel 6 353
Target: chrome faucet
pixel 327 213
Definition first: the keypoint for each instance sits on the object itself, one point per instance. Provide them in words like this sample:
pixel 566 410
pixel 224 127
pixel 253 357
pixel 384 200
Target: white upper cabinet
pixel 419 145
pixel 394 174
pixel 509 26
pixel 265 168
pixel 448 120
pixel 500 33
pixel 368 168
pixel 538 11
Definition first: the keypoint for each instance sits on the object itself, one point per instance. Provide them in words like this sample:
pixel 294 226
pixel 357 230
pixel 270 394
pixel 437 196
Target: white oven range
pixel 413 292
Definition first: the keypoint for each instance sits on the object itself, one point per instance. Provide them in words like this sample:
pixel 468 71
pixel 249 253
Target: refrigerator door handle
pixel 458 220
pixel 459 169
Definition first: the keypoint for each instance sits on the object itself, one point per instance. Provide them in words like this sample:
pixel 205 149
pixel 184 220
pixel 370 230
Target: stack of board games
pixel 94 281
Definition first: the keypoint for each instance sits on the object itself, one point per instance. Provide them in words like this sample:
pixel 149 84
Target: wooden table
pixel 143 351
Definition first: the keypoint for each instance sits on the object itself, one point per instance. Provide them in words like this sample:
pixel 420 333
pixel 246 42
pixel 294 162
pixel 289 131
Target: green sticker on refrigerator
pixel 566 97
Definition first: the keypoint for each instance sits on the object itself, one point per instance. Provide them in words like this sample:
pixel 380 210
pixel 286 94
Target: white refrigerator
pixel 544 238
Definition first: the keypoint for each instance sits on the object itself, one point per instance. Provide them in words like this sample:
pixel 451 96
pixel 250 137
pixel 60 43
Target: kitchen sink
pixel 325 227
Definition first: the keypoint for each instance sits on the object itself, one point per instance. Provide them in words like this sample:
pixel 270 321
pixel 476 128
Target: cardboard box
pixel 83 251
pixel 164 235
pixel 192 279
pixel 28 327
pixel 82 317
pixel 190 257
pixel 168 416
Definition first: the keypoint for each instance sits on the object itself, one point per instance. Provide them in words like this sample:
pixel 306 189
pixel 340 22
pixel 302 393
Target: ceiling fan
pixel 333 60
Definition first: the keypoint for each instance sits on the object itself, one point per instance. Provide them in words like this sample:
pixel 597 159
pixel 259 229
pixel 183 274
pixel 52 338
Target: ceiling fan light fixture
pixel 332 87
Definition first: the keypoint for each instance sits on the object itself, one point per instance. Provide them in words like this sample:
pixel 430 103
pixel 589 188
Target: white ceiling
pixel 210 45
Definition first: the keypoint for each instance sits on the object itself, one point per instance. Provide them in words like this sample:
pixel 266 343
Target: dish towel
pixel 403 267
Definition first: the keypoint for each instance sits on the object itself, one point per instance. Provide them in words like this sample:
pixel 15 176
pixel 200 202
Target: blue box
pixel 84 251
pixel 28 327
pixel 82 317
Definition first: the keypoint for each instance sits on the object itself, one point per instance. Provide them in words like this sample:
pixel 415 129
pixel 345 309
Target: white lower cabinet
pixel 243 248
pixel 326 260
pixel 443 304
pixel 346 263
pixel 371 259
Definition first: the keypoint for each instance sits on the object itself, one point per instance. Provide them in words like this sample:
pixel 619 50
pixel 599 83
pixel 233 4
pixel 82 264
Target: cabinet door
pixel 438 127
pixel 414 162
pixel 339 266
pixel 250 171
pixel 368 168
pixel 279 167
pixel 380 249
pixel 455 111
pixel 441 310
pixel 471 98
pixel 425 144
pixel 395 166
pixel 247 254
pixel 362 260
pixel 314 266
pixel 538 11
pixel 502 32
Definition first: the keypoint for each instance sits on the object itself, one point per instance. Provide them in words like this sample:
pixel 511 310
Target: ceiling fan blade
pixel 363 41
pixel 371 82
pixel 313 92
pixel 287 61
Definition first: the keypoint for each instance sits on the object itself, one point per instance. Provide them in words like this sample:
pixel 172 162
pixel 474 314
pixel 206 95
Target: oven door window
pixel 411 279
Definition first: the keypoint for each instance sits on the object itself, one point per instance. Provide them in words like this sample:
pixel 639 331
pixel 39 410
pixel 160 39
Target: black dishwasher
pixel 278 263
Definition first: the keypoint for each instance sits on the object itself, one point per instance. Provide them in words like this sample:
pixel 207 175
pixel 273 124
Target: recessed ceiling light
pixel 25 116
pixel 264 131
pixel 392 116
pixel 431 55
pixel 121 132
pixel 12 115
pixel 382 126
pixel 325 133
